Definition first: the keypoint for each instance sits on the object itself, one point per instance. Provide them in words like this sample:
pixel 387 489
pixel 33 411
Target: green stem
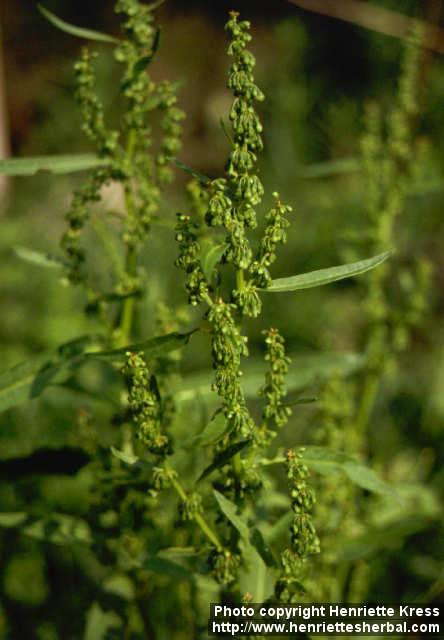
pixel 240 281
pixel 205 528
pixel 127 315
pixel 368 399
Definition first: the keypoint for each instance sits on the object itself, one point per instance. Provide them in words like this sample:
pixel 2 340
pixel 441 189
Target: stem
pixel 368 398
pixel 206 529
pixel 240 281
pixel 126 318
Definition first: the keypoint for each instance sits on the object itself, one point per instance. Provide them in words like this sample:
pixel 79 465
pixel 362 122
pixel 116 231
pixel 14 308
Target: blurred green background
pixel 317 74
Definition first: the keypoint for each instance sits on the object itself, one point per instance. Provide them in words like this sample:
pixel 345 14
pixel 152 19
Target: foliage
pixel 174 485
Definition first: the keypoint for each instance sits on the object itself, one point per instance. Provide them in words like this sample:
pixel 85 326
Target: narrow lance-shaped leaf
pixel 201 177
pixel 79 32
pixel 60 164
pixel 28 380
pixel 327 461
pixel 325 276
pixel 331 168
pixel 319 459
pixel 211 255
pixel 250 535
pixel 152 347
pixel 222 458
pixel 38 258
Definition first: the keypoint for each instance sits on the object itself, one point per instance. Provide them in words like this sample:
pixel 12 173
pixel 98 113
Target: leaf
pixel 29 379
pixel 225 130
pixel 201 177
pixel 325 276
pixel 390 536
pixel 127 458
pixel 142 63
pixel 16 383
pixel 331 168
pixel 250 535
pixel 38 258
pixel 210 258
pixel 79 32
pixel 151 348
pixel 265 552
pixel 166 567
pixel 54 164
pixel 213 431
pixel 302 401
pixel 327 461
pixel 229 509
pixel 222 458
pixel 307 369
pixel 59 164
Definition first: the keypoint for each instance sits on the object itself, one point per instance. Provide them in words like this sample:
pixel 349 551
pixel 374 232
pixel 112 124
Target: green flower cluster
pixel 131 155
pixel 228 346
pixel 388 164
pixel 143 97
pixel 83 199
pixel 144 404
pixel 304 540
pixel 93 118
pixel 275 413
pixel 274 234
pixel 189 259
pixel 224 566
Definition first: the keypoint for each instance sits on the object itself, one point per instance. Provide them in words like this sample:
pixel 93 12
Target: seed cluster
pixel 304 540
pixel 144 404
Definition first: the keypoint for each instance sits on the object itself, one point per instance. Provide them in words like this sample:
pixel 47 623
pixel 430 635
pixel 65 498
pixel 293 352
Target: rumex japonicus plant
pixel 231 290
pixel 169 516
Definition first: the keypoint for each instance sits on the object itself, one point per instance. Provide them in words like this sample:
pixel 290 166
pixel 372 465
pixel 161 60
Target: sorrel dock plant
pixel 178 508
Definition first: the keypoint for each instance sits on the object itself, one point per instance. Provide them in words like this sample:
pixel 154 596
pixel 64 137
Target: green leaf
pixel 229 509
pixel 127 458
pixel 331 168
pixel 166 567
pixel 38 258
pixel 79 32
pixel 265 552
pixel 327 461
pixel 226 132
pixel 16 384
pixel 307 369
pixel 222 458
pixel 142 63
pixel 325 276
pixel 211 255
pixel 54 164
pixel 29 379
pixel 376 538
pixel 201 177
pixel 213 431
pixel 250 535
pixel 152 347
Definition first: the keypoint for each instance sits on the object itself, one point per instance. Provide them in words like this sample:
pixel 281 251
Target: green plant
pixel 181 484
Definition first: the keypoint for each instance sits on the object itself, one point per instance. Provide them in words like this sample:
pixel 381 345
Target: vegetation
pixel 168 452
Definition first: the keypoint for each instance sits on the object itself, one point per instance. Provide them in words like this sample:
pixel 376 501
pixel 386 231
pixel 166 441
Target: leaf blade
pixel 325 276
pixel 58 164
pixel 73 30
pixel 151 347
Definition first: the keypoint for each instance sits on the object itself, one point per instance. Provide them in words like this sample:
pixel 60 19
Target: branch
pixel 369 16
